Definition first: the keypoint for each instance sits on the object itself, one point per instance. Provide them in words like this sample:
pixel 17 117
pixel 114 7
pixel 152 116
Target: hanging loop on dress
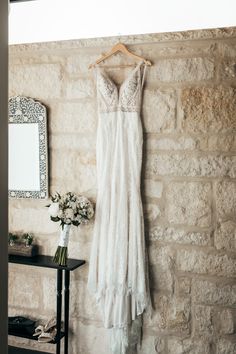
pixel 144 74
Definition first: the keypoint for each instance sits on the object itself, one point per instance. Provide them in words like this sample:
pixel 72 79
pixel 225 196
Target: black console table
pixel 46 261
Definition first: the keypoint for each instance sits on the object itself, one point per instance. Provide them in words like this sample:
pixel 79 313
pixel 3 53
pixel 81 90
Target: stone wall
pixel 189 185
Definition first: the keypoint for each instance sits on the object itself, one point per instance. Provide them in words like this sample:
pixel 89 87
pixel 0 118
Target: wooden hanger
pixel 119 47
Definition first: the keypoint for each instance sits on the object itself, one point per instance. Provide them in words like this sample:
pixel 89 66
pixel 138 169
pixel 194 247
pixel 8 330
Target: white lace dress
pixel 117 270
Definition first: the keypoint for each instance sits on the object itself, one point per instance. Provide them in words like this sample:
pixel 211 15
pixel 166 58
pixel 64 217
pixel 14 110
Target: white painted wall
pixel 47 20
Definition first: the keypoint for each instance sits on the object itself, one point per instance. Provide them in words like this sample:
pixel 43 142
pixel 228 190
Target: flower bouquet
pixel 68 209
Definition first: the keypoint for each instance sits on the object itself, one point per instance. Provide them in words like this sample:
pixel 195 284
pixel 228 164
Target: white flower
pixel 68 221
pixel 90 212
pixel 60 214
pixel 73 205
pixel 53 210
pixel 79 218
pixel 69 214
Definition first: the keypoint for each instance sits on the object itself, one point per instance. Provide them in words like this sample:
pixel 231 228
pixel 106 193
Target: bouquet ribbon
pixel 64 236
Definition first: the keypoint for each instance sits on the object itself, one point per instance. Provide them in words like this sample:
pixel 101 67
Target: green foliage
pixel 56 219
pixel 28 239
pixel 76 223
pixel 12 238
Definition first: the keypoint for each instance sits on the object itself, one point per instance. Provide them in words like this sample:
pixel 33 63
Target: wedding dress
pixel 117 270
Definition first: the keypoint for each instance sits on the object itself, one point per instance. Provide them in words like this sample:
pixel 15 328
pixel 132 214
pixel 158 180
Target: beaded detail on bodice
pixel 126 99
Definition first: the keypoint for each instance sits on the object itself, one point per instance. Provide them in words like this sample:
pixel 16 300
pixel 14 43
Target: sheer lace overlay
pixel 127 99
pixel 118 269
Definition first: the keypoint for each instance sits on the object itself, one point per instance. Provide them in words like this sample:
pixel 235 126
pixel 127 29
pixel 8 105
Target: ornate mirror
pixel 28 158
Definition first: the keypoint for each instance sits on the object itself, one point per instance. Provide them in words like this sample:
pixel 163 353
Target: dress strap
pixel 144 73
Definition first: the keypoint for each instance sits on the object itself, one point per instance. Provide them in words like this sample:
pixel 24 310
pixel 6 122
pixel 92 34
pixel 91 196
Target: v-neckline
pixel 103 72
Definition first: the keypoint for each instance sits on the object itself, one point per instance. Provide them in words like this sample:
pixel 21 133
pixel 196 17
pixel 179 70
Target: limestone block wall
pixel 188 185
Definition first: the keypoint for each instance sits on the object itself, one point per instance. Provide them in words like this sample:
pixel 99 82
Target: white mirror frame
pixel 26 110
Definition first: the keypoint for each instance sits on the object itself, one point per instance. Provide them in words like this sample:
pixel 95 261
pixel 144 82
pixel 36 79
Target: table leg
pixel 66 308
pixel 59 301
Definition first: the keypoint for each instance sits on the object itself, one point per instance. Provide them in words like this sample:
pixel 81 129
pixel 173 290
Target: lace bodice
pixel 127 98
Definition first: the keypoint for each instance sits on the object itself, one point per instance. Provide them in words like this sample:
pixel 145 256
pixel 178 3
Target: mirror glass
pixel 28 170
